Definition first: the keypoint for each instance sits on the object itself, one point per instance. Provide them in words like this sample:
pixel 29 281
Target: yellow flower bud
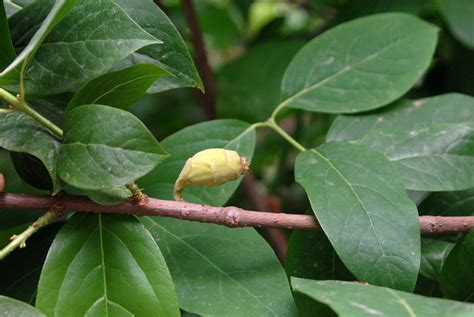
pixel 210 167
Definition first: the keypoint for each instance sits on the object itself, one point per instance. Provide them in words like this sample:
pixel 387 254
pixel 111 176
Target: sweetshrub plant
pixel 371 146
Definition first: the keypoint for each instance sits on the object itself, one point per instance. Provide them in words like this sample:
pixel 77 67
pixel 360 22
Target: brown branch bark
pixel 229 216
pixel 206 100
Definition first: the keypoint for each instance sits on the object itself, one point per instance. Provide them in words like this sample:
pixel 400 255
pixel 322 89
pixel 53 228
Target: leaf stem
pixel 20 240
pixel 21 105
pixel 272 124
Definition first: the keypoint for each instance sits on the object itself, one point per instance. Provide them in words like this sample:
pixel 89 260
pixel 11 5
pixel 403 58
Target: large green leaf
pixel 101 265
pixel 172 55
pixel 220 273
pixel 360 65
pixel 363 208
pixel 459 15
pixel 13 307
pixel 105 147
pixel 85 44
pixel 36 13
pixel 457 274
pixel 429 140
pixel 433 257
pixel 118 89
pixel 230 134
pixel 251 95
pixel 358 300
pixel 20 133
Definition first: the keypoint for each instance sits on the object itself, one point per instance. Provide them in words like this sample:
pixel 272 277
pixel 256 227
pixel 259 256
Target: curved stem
pixel 272 124
pixel 24 107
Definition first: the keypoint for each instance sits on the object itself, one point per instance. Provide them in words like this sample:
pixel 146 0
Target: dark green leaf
pixel 110 196
pixel 311 255
pixel 457 203
pixel 457 274
pixel 459 15
pixel 85 44
pixel 433 256
pixel 13 307
pixel 105 147
pixel 358 300
pixel 360 65
pixel 364 210
pixel 20 133
pixel 118 89
pixel 58 11
pixel 172 55
pixel 7 51
pixel 101 265
pixel 251 95
pixel 230 134
pixel 222 272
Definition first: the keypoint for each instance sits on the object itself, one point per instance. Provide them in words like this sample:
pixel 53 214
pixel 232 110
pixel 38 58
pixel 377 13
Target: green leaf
pixel 7 51
pixel 359 65
pixel 458 15
pixel 457 203
pixel 251 95
pixel 433 257
pixel 220 274
pixel 118 89
pixel 58 11
pixel 172 55
pixel 229 134
pixel 85 44
pixel 457 275
pixel 363 208
pixel 11 8
pixel 20 133
pixel 311 255
pixel 105 264
pixel 225 272
pixel 358 300
pixel 105 147
pixel 428 140
pixel 13 307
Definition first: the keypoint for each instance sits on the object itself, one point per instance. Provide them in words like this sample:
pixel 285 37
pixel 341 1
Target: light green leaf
pixel 433 257
pixel 358 300
pixel 172 55
pixel 360 65
pixel 118 89
pixel 457 275
pixel 105 147
pixel 20 133
pixel 85 44
pixel 58 11
pixel 101 265
pixel 251 95
pixel 459 15
pixel 362 206
pixel 220 274
pixel 13 307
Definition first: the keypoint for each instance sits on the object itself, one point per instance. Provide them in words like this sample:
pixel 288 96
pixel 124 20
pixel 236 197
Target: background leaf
pixel 106 147
pixel 433 257
pixel 172 55
pixel 7 51
pixel 111 264
pixel 118 89
pixel 360 65
pixel 457 203
pixel 358 300
pixel 458 16
pixel 220 274
pixel 361 204
pixel 13 307
pixel 457 275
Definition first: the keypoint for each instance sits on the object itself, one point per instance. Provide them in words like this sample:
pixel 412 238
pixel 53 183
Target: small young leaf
pixel 105 147
pixel 363 208
pixel 105 264
pixel 118 89
pixel 360 65
pixel 358 300
pixel 457 275
pixel 13 307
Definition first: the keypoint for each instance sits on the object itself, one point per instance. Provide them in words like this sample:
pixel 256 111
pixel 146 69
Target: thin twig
pixel 228 216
